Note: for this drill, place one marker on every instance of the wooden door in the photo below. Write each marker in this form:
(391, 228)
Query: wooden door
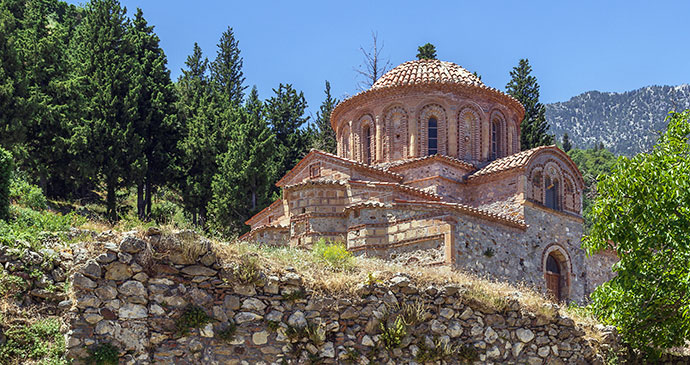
(553, 285)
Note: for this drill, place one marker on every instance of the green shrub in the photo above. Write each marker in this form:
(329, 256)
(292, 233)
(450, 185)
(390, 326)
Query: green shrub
(27, 195)
(334, 254)
(41, 340)
(12, 284)
(164, 212)
(392, 336)
(192, 317)
(28, 228)
(103, 354)
(6, 167)
(228, 333)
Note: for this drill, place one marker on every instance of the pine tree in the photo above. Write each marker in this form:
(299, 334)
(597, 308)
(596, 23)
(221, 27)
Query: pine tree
(285, 113)
(12, 83)
(323, 135)
(106, 138)
(226, 71)
(242, 184)
(6, 168)
(426, 52)
(524, 88)
(567, 145)
(156, 121)
(199, 145)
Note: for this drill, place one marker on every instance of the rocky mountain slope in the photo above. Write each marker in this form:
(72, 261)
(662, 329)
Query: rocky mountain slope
(627, 123)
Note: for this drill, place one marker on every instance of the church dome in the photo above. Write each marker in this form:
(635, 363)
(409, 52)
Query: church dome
(419, 72)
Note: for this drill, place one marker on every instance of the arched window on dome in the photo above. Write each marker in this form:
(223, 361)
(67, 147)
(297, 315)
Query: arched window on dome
(495, 139)
(432, 134)
(366, 135)
(551, 197)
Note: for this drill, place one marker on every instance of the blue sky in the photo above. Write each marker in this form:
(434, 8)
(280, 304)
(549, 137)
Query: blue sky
(573, 46)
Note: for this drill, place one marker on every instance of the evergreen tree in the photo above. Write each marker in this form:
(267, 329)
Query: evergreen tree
(426, 52)
(156, 121)
(6, 167)
(226, 72)
(524, 88)
(242, 184)
(106, 138)
(198, 151)
(323, 135)
(567, 145)
(285, 113)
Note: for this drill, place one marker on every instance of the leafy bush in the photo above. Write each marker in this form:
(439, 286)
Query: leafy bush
(41, 340)
(334, 254)
(228, 333)
(12, 284)
(103, 354)
(6, 167)
(27, 195)
(192, 317)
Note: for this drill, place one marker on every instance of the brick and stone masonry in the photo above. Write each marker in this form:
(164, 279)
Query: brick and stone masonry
(429, 171)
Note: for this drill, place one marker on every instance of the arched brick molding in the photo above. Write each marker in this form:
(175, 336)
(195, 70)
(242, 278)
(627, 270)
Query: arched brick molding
(469, 121)
(437, 112)
(395, 146)
(498, 128)
(367, 139)
(345, 144)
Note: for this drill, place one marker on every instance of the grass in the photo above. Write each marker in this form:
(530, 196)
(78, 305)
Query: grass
(30, 336)
(393, 334)
(103, 354)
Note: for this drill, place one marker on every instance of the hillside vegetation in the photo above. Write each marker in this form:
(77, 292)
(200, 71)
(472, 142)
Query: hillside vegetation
(626, 123)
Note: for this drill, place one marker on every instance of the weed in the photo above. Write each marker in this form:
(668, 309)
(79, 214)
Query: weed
(41, 340)
(352, 355)
(413, 313)
(103, 354)
(442, 351)
(228, 333)
(272, 325)
(334, 254)
(294, 295)
(12, 284)
(489, 252)
(372, 280)
(192, 317)
(247, 270)
(316, 333)
(392, 336)
(467, 352)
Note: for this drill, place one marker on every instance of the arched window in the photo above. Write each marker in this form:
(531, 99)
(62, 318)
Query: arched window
(432, 130)
(551, 193)
(346, 144)
(495, 138)
(367, 145)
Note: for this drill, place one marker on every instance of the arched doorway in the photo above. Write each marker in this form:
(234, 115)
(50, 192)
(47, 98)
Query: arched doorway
(553, 278)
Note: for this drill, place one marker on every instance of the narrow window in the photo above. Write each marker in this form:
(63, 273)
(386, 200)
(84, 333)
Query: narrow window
(494, 140)
(551, 193)
(315, 170)
(432, 130)
(367, 145)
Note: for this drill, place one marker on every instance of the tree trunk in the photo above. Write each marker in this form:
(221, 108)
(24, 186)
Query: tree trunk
(140, 200)
(147, 199)
(111, 200)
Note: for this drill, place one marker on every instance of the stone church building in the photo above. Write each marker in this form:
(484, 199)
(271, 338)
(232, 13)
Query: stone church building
(429, 171)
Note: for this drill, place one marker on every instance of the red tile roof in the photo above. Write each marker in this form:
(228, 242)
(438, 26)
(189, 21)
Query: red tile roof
(425, 72)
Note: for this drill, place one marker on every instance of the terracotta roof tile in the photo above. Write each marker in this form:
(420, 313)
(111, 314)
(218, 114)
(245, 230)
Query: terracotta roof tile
(517, 160)
(426, 71)
(399, 163)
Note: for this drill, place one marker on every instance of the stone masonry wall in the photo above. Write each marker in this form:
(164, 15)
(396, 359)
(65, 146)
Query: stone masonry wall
(133, 294)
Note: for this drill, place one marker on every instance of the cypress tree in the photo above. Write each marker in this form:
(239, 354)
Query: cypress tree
(106, 137)
(226, 72)
(426, 52)
(199, 144)
(285, 113)
(567, 145)
(156, 121)
(323, 135)
(242, 184)
(524, 88)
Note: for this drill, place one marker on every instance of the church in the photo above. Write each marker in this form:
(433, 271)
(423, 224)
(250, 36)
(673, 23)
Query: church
(429, 171)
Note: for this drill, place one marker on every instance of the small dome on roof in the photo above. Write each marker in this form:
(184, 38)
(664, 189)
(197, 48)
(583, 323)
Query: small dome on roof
(426, 72)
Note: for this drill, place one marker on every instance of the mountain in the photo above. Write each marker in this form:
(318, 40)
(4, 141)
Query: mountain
(627, 123)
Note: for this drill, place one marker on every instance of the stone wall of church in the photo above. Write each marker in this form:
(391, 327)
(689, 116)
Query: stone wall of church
(599, 268)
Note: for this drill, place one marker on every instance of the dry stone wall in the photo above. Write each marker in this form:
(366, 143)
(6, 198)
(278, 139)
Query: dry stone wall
(186, 307)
